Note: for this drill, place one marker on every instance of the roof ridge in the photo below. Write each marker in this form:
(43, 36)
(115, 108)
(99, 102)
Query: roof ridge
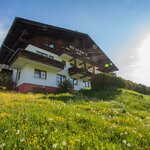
(48, 25)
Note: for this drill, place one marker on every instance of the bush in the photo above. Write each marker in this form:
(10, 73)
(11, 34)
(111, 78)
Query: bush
(65, 86)
(6, 81)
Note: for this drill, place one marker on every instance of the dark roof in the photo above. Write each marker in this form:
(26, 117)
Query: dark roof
(27, 28)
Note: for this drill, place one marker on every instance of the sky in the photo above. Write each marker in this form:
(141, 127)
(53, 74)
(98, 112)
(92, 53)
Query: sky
(121, 28)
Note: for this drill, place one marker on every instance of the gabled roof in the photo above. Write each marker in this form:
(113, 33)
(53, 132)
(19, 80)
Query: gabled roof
(26, 29)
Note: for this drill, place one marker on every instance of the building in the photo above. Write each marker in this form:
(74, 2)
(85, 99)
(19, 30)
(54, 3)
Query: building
(44, 55)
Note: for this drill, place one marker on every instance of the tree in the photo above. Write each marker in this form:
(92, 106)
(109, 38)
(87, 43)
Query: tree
(65, 86)
(6, 80)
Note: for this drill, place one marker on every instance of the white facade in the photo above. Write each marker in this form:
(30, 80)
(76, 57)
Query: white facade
(27, 70)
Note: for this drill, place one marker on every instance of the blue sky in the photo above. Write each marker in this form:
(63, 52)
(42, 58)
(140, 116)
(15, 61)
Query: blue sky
(119, 27)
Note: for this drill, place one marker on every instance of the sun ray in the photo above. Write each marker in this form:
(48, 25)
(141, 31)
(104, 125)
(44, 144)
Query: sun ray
(142, 72)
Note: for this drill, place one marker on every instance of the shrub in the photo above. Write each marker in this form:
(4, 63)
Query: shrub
(65, 86)
(6, 81)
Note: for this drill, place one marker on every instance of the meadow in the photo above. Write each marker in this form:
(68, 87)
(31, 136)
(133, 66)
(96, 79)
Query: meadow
(120, 121)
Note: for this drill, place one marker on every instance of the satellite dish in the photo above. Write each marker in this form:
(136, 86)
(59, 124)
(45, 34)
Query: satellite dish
(94, 46)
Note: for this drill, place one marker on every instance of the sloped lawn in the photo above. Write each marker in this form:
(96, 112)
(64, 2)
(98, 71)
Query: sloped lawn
(66, 121)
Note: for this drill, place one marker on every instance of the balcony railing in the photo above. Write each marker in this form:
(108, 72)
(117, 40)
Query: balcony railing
(74, 54)
(79, 72)
(35, 57)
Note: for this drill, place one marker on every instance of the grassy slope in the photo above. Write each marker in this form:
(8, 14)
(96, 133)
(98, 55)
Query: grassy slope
(30, 121)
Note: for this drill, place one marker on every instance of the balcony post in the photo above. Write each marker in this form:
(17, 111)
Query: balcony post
(93, 69)
(75, 62)
(85, 65)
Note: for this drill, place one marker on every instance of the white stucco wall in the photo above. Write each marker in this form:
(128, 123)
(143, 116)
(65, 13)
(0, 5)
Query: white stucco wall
(27, 76)
(27, 71)
(14, 74)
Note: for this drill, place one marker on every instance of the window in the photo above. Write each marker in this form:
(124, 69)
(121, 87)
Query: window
(40, 74)
(86, 83)
(60, 78)
(74, 81)
(49, 44)
(19, 73)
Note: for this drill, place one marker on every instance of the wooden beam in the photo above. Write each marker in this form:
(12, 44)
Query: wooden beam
(18, 39)
(90, 67)
(24, 41)
(85, 65)
(83, 76)
(93, 69)
(75, 62)
(81, 64)
(71, 59)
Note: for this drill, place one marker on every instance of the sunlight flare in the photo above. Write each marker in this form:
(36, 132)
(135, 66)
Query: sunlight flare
(142, 73)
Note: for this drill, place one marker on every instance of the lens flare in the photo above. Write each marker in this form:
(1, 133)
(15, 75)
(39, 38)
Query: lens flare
(106, 65)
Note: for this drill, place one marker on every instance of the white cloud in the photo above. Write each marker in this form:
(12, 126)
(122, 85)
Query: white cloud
(131, 57)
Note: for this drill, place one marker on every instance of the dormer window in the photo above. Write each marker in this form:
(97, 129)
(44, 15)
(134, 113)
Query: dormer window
(49, 44)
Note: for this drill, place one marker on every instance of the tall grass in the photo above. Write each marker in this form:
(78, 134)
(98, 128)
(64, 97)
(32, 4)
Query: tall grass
(67, 121)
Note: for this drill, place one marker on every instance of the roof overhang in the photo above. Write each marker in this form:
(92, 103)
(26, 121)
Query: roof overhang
(22, 30)
(23, 57)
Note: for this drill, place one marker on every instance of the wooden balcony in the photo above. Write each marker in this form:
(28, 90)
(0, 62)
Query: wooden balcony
(80, 73)
(22, 57)
(70, 54)
(66, 53)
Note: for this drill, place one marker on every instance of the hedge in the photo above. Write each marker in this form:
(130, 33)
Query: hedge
(104, 80)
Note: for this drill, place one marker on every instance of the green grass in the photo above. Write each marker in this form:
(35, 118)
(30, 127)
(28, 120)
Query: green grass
(107, 119)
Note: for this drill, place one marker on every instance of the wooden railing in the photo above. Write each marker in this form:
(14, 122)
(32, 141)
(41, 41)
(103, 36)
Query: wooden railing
(36, 57)
(74, 70)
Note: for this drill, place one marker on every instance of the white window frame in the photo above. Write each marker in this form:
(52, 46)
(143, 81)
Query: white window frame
(40, 74)
(86, 84)
(60, 78)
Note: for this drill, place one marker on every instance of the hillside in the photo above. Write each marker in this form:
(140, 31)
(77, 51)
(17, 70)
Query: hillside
(118, 121)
